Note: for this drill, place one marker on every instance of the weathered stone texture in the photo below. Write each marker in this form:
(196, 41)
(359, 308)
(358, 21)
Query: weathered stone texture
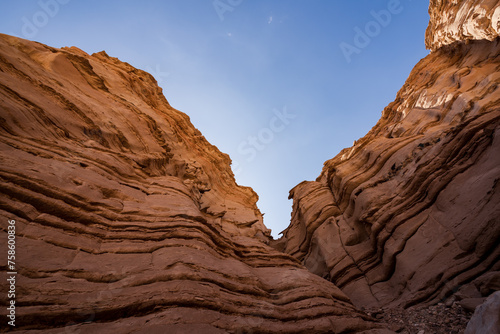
(128, 220)
(411, 212)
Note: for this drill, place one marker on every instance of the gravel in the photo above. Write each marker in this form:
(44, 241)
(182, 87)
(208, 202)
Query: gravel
(436, 319)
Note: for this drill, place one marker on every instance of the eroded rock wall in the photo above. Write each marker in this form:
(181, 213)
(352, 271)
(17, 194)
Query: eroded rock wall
(127, 219)
(462, 21)
(411, 213)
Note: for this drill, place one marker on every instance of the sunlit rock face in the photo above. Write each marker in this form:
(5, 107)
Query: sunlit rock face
(411, 213)
(460, 20)
(128, 220)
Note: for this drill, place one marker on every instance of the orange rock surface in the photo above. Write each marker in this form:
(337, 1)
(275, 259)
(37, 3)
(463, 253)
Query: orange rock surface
(462, 21)
(128, 220)
(410, 214)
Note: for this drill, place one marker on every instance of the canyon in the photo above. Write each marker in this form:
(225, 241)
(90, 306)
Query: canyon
(127, 220)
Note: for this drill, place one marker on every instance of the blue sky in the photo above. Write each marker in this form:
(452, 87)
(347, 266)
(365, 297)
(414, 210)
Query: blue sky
(281, 86)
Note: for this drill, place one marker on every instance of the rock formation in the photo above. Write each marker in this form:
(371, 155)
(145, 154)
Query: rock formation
(486, 319)
(461, 21)
(128, 220)
(411, 213)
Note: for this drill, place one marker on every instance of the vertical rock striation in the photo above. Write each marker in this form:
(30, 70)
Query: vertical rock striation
(128, 220)
(411, 213)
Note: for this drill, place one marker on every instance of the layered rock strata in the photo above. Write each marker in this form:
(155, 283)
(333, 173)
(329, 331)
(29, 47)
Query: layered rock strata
(410, 214)
(128, 220)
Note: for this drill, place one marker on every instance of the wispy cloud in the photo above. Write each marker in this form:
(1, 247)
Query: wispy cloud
(270, 20)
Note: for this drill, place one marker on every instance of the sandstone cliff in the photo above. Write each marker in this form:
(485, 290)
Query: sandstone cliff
(127, 219)
(411, 213)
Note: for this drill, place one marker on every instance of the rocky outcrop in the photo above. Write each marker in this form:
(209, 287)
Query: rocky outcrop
(458, 21)
(128, 220)
(486, 319)
(410, 214)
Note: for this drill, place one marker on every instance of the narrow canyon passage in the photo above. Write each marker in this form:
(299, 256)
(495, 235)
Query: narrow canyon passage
(121, 217)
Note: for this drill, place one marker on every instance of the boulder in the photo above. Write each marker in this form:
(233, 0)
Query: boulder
(486, 318)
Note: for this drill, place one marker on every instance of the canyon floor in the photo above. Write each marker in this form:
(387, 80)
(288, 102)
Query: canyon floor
(436, 319)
